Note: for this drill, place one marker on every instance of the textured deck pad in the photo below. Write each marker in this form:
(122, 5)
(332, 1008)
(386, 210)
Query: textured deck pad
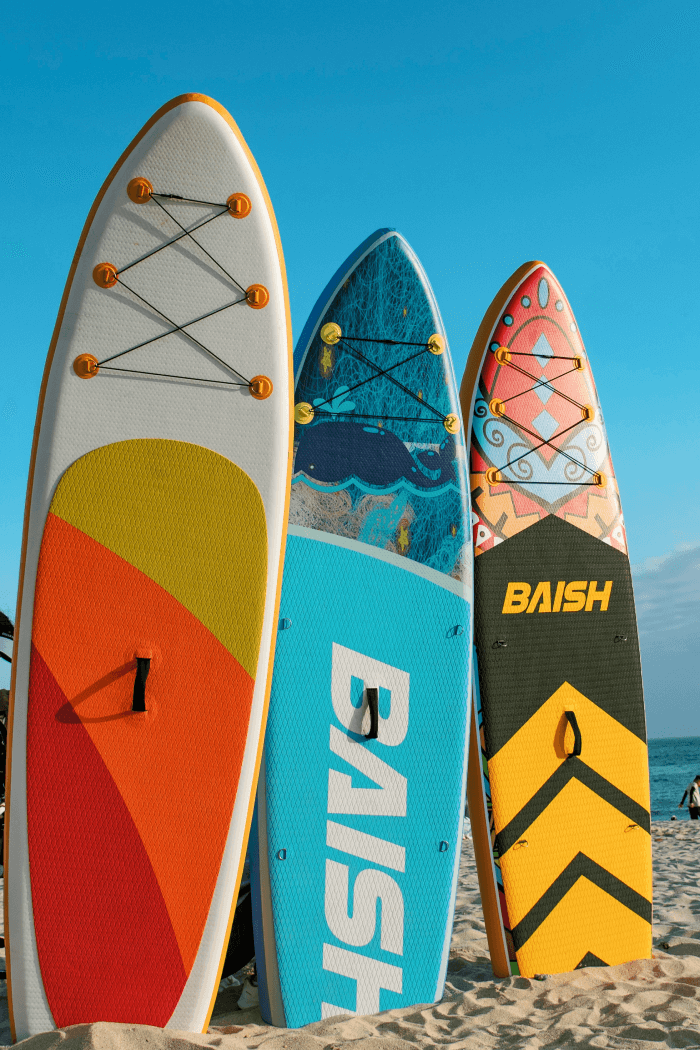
(566, 857)
(363, 821)
(131, 563)
(360, 838)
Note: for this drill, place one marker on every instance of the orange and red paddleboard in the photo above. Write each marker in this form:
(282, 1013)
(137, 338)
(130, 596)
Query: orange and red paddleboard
(155, 524)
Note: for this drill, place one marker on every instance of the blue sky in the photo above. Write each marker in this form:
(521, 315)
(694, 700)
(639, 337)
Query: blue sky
(487, 133)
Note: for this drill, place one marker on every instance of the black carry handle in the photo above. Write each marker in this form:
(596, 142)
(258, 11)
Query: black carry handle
(373, 705)
(143, 666)
(577, 734)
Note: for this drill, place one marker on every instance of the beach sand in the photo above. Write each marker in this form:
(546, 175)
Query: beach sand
(653, 1002)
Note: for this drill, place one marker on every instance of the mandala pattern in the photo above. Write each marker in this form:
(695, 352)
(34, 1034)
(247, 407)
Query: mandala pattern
(538, 424)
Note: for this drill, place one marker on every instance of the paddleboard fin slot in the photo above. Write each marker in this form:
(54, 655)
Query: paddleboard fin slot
(143, 666)
(373, 705)
(571, 718)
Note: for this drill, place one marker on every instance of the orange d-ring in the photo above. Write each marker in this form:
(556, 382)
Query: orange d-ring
(105, 275)
(260, 387)
(257, 296)
(139, 190)
(86, 366)
(239, 205)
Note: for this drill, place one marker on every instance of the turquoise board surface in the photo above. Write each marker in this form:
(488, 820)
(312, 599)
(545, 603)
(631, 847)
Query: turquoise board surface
(359, 839)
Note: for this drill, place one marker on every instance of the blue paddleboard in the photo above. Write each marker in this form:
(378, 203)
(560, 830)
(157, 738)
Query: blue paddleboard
(360, 799)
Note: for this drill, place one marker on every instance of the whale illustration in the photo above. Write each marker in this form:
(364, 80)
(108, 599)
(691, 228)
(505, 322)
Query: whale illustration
(334, 452)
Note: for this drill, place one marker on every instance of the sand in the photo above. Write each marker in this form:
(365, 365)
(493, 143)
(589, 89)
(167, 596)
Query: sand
(654, 1002)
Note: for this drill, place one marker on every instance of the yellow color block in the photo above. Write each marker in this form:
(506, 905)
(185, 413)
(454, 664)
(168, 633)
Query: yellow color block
(587, 920)
(577, 820)
(174, 510)
(520, 768)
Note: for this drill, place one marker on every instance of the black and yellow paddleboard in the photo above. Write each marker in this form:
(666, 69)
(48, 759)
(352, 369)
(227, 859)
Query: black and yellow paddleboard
(558, 781)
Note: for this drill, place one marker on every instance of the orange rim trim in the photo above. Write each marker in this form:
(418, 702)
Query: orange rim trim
(173, 104)
(480, 833)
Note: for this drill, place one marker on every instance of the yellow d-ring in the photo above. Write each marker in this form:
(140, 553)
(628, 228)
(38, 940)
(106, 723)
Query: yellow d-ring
(331, 333)
(303, 413)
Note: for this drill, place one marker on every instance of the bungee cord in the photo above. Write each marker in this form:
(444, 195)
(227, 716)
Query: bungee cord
(545, 383)
(180, 328)
(201, 246)
(173, 240)
(331, 335)
(392, 379)
(496, 406)
(140, 191)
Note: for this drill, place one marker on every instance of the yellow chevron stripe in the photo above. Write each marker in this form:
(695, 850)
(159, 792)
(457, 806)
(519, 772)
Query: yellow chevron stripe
(533, 754)
(586, 920)
(577, 820)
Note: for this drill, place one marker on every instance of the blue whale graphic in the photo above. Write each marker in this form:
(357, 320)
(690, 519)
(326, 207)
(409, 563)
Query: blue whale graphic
(334, 452)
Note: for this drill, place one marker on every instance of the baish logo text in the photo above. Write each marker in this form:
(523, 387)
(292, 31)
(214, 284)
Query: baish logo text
(351, 912)
(558, 596)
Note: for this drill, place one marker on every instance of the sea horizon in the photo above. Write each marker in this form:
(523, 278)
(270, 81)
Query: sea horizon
(673, 762)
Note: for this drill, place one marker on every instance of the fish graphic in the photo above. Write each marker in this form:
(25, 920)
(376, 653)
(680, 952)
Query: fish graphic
(335, 452)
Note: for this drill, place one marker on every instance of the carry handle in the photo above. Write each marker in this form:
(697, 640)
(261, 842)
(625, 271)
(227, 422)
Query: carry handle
(577, 734)
(373, 705)
(143, 666)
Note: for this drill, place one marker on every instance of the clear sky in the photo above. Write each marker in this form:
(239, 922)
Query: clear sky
(487, 133)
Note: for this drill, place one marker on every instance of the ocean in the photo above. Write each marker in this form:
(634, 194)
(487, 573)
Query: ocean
(673, 762)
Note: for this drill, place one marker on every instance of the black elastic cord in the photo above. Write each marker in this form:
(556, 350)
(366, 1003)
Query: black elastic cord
(170, 375)
(187, 233)
(379, 415)
(571, 717)
(392, 379)
(143, 666)
(201, 246)
(177, 328)
(390, 342)
(548, 357)
(561, 452)
(543, 382)
(385, 372)
(189, 200)
(529, 375)
(373, 706)
(181, 328)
